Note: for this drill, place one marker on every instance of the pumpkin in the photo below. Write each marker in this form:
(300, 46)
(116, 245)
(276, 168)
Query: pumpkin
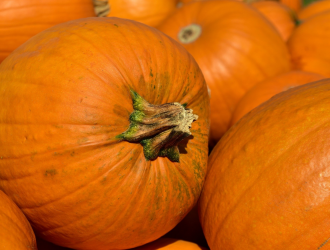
(148, 12)
(295, 5)
(20, 20)
(234, 46)
(104, 144)
(267, 186)
(270, 87)
(309, 45)
(170, 244)
(15, 230)
(313, 9)
(281, 16)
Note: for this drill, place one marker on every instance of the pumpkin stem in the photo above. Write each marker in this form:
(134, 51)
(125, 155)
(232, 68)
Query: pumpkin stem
(158, 128)
(190, 33)
(101, 7)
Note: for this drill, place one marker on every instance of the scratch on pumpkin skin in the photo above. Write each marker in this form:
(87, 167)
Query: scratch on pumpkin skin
(322, 245)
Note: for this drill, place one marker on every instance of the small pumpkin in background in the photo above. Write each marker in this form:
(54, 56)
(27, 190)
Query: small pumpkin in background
(313, 9)
(234, 45)
(268, 177)
(280, 15)
(149, 12)
(15, 230)
(170, 244)
(78, 154)
(270, 87)
(309, 45)
(20, 20)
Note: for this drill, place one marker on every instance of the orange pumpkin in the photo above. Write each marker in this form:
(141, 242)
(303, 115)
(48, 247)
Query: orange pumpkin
(295, 5)
(15, 230)
(313, 9)
(281, 16)
(170, 244)
(270, 87)
(268, 181)
(20, 20)
(149, 12)
(66, 160)
(235, 48)
(309, 45)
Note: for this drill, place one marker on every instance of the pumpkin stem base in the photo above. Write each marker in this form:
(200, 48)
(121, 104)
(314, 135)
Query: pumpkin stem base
(158, 128)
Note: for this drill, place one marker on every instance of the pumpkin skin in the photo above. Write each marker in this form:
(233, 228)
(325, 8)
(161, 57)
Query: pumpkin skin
(236, 49)
(62, 108)
(148, 12)
(295, 5)
(270, 87)
(20, 20)
(313, 9)
(268, 177)
(281, 16)
(15, 231)
(309, 45)
(170, 244)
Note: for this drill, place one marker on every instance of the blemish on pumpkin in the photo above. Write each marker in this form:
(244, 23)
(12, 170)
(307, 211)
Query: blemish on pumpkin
(50, 172)
(151, 72)
(116, 25)
(103, 181)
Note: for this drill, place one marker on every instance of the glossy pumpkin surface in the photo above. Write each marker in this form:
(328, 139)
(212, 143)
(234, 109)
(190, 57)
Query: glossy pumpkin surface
(234, 46)
(268, 182)
(65, 98)
(148, 12)
(281, 16)
(170, 244)
(15, 230)
(309, 45)
(22, 19)
(270, 87)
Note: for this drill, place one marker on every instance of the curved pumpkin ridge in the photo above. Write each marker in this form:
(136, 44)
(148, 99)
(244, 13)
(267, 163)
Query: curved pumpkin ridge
(248, 191)
(252, 182)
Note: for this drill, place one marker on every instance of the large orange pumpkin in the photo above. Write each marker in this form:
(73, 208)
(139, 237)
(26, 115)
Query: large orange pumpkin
(263, 91)
(268, 181)
(65, 103)
(20, 20)
(15, 230)
(149, 12)
(309, 45)
(170, 244)
(280, 15)
(234, 46)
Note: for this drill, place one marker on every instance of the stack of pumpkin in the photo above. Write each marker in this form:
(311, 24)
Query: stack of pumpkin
(164, 124)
